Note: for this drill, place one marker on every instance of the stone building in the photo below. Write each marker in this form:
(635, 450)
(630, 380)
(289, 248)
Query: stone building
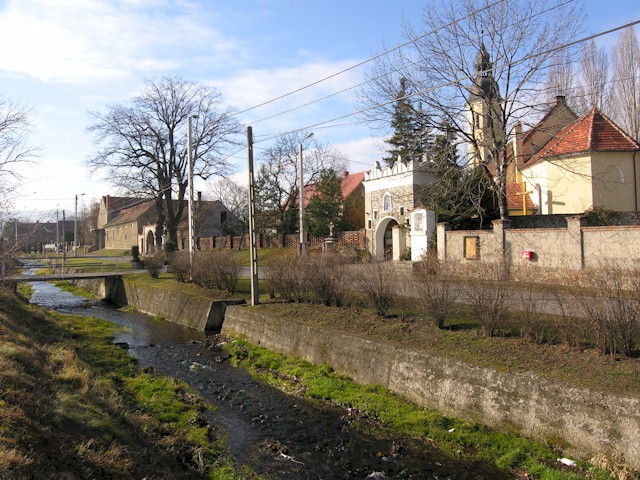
(393, 213)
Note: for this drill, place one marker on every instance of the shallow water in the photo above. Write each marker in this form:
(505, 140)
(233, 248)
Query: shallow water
(278, 435)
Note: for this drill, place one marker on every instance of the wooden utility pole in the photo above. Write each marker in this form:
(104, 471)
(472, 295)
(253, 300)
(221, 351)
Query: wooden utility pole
(253, 248)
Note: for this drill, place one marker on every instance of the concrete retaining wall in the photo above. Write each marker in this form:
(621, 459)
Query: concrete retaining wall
(178, 307)
(589, 422)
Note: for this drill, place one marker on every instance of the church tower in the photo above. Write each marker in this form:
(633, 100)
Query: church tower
(485, 111)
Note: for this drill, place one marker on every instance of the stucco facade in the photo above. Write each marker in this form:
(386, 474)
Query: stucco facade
(575, 183)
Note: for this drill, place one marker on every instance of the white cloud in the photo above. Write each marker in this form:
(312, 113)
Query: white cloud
(84, 41)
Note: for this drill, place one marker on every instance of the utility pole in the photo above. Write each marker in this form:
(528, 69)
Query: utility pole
(303, 242)
(75, 229)
(64, 246)
(57, 231)
(191, 218)
(253, 248)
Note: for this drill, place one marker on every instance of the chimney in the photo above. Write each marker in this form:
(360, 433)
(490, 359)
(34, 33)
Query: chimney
(346, 174)
(199, 198)
(560, 99)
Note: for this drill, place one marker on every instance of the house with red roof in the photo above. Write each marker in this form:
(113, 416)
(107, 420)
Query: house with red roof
(566, 164)
(352, 199)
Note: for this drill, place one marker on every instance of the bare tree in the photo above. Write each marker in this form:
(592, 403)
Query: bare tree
(593, 89)
(235, 197)
(277, 178)
(626, 81)
(495, 52)
(560, 76)
(143, 144)
(15, 127)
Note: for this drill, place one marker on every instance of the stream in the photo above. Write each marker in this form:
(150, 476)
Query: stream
(276, 435)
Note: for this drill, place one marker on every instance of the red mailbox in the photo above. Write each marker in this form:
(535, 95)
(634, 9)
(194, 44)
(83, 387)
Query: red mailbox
(528, 255)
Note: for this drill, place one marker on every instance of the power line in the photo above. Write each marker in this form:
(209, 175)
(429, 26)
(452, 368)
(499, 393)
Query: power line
(370, 59)
(455, 81)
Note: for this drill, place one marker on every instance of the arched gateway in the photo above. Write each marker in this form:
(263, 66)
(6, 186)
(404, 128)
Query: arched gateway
(391, 195)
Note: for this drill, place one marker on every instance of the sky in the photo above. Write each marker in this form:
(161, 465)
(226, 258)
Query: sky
(64, 58)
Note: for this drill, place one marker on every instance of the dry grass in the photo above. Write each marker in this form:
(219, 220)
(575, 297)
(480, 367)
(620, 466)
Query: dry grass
(65, 411)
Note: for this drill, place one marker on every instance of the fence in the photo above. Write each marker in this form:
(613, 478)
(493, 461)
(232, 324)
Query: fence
(355, 239)
(575, 247)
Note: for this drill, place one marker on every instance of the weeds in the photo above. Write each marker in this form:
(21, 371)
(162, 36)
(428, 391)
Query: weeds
(377, 283)
(435, 289)
(488, 296)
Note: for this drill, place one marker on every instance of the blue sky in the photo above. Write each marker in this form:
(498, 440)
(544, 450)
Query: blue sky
(63, 58)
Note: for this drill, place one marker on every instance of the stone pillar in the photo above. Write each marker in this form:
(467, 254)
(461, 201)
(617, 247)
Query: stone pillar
(399, 238)
(575, 242)
(441, 239)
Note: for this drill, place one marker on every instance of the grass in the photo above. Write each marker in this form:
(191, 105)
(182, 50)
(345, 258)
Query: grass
(73, 405)
(382, 412)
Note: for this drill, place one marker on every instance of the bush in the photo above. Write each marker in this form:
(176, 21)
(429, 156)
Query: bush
(218, 269)
(170, 246)
(377, 283)
(180, 265)
(608, 307)
(324, 274)
(135, 253)
(436, 290)
(154, 265)
(285, 277)
(488, 291)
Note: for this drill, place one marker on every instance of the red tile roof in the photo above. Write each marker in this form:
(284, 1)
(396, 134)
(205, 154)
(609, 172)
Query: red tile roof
(348, 183)
(514, 198)
(593, 132)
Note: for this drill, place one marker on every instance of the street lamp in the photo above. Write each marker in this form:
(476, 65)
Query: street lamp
(191, 217)
(75, 228)
(301, 252)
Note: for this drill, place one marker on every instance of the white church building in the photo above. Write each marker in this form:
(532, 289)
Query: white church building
(395, 222)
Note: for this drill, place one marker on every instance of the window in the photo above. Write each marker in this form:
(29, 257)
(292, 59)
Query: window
(223, 217)
(369, 224)
(477, 119)
(401, 211)
(375, 214)
(386, 203)
(417, 222)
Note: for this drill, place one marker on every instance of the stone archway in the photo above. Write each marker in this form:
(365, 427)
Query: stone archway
(383, 239)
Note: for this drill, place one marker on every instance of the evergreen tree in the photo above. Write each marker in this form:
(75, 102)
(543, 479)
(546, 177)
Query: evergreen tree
(325, 205)
(412, 136)
(460, 196)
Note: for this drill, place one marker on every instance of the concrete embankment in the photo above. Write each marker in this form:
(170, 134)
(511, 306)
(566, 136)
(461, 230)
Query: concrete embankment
(186, 309)
(588, 422)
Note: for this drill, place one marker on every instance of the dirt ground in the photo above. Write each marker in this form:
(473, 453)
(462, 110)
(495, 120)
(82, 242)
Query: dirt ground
(578, 367)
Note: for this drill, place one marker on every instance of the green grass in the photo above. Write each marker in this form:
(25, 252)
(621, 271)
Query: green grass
(466, 439)
(73, 402)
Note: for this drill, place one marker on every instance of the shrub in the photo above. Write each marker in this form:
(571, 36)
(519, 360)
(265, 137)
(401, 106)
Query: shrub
(436, 290)
(285, 277)
(377, 283)
(217, 269)
(325, 277)
(488, 291)
(180, 265)
(530, 303)
(608, 307)
(135, 253)
(154, 265)
(170, 246)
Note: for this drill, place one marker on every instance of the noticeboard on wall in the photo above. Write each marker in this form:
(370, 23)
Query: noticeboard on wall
(472, 247)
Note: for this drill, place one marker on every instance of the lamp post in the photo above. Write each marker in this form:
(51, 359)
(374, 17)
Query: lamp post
(75, 228)
(191, 216)
(302, 249)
